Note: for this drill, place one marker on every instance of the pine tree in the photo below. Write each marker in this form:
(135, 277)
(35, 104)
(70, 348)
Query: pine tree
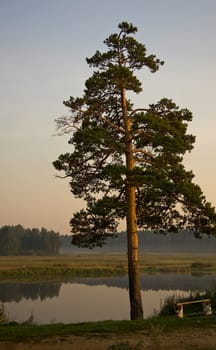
(126, 162)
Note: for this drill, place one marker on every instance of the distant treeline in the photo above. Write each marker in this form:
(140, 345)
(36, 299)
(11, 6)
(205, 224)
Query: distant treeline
(16, 240)
(149, 241)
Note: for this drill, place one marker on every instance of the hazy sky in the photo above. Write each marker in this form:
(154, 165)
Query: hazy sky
(43, 45)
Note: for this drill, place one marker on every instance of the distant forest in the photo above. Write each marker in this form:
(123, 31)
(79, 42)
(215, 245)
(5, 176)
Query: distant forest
(16, 240)
(149, 242)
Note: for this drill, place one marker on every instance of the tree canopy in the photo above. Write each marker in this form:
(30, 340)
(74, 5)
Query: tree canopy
(166, 197)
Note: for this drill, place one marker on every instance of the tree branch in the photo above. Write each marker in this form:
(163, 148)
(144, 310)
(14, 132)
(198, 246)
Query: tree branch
(142, 160)
(62, 177)
(104, 119)
(65, 125)
(138, 110)
(140, 150)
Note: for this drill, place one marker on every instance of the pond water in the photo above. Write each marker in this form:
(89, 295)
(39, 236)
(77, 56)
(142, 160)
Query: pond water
(94, 299)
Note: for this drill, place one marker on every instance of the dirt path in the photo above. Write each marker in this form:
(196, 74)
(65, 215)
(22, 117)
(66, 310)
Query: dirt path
(158, 340)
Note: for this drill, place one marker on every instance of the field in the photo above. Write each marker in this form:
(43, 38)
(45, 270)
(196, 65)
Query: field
(37, 267)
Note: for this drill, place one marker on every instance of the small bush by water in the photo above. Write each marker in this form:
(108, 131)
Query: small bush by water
(3, 314)
(200, 266)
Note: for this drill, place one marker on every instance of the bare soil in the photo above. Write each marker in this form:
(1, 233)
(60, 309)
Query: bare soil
(158, 340)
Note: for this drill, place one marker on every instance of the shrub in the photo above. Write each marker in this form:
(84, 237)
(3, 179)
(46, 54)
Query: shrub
(168, 307)
(199, 266)
(3, 314)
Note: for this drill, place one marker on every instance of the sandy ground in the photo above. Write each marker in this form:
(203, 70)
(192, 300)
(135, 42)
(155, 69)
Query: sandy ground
(158, 340)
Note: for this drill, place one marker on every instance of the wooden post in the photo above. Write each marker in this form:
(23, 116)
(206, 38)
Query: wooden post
(179, 310)
(207, 310)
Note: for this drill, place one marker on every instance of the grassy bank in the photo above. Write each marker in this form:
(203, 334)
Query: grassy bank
(39, 267)
(22, 332)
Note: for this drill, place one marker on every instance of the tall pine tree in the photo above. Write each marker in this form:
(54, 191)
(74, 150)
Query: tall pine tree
(126, 162)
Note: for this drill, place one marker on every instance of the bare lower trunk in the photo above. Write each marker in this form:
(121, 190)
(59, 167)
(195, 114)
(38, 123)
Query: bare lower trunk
(136, 309)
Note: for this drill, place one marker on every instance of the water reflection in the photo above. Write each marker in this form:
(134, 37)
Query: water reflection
(91, 299)
(183, 282)
(17, 291)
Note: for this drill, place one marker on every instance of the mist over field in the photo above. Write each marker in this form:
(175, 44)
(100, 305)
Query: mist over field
(149, 242)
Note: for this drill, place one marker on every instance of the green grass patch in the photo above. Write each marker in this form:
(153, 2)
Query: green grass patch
(126, 346)
(38, 273)
(21, 332)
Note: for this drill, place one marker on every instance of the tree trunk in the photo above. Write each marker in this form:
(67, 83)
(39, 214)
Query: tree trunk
(136, 309)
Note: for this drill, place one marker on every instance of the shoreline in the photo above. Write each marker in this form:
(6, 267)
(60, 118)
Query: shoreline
(33, 268)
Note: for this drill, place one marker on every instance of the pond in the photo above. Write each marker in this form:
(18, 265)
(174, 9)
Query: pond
(94, 299)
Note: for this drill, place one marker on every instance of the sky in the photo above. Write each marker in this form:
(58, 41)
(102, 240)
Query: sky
(43, 46)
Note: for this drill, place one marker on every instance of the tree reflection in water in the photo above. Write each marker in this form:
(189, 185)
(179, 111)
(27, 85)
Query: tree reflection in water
(17, 291)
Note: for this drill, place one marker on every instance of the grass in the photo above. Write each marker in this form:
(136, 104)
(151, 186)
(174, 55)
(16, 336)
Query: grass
(126, 346)
(178, 263)
(22, 332)
(37, 267)
(42, 267)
